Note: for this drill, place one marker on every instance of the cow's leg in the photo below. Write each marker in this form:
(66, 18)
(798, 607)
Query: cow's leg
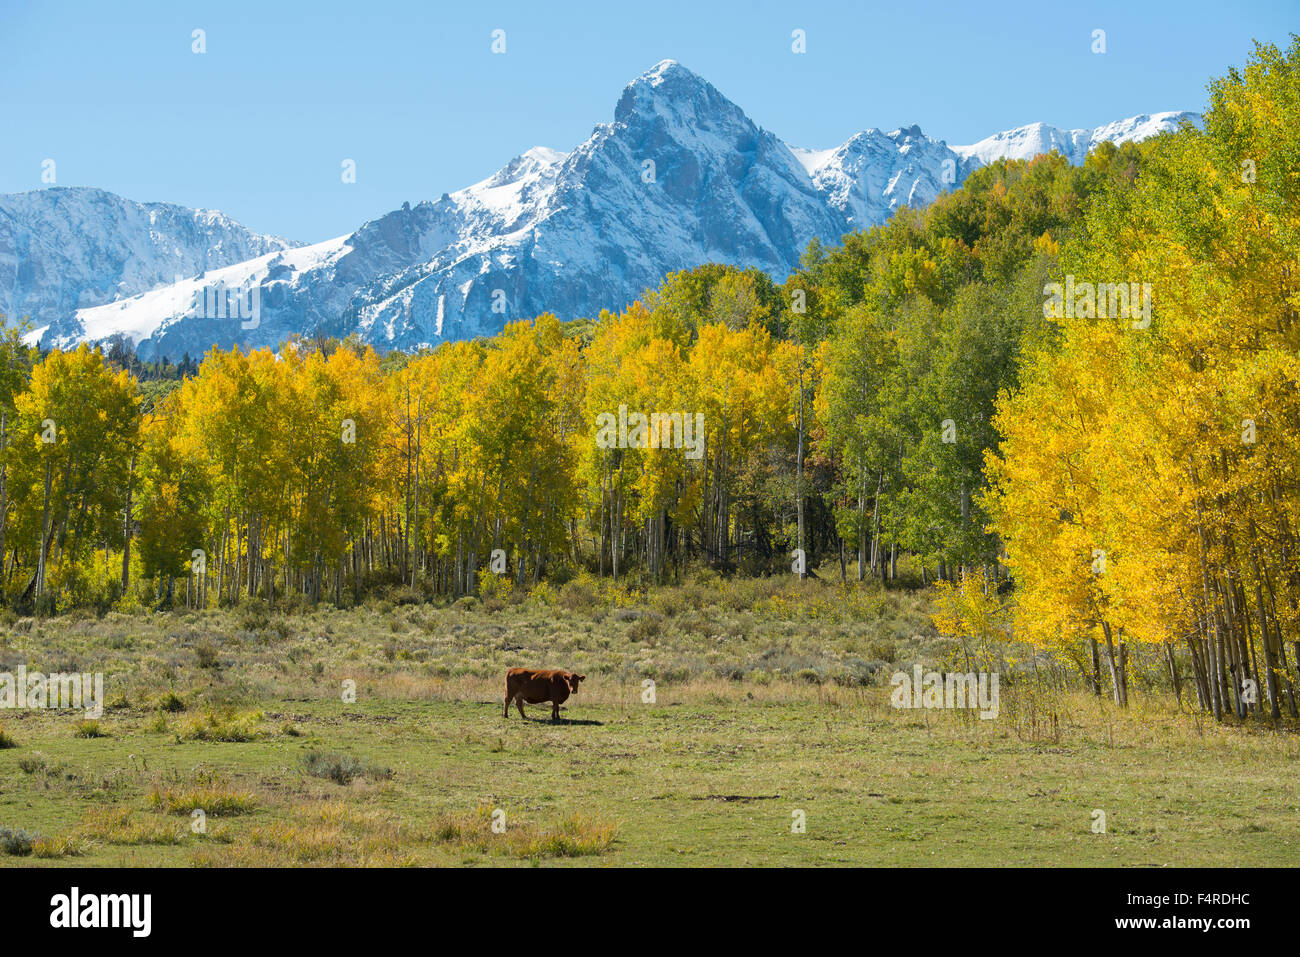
(555, 711)
(506, 713)
(519, 703)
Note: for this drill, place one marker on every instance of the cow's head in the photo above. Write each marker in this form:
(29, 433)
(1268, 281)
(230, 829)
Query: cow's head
(574, 680)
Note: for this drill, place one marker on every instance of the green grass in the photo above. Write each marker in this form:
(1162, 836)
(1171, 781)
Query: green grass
(768, 702)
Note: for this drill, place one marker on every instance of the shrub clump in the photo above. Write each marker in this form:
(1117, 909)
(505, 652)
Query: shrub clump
(171, 703)
(216, 801)
(16, 842)
(342, 768)
(577, 835)
(643, 631)
(120, 826)
(87, 728)
(206, 653)
(578, 596)
(228, 726)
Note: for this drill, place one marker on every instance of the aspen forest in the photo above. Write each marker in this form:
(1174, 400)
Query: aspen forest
(1113, 489)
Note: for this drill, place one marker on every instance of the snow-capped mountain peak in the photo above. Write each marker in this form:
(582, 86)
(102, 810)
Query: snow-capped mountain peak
(673, 93)
(680, 177)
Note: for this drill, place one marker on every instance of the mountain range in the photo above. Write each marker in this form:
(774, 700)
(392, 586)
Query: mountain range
(680, 177)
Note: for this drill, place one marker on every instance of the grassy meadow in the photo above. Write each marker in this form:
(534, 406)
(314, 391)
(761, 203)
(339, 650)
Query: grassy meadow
(771, 697)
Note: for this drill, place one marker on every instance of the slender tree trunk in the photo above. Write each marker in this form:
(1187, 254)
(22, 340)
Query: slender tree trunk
(1096, 667)
(46, 532)
(1116, 681)
(126, 527)
(798, 491)
(4, 493)
(1173, 674)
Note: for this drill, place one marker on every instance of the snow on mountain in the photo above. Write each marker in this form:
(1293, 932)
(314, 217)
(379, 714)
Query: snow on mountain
(160, 316)
(63, 248)
(1026, 142)
(874, 173)
(680, 177)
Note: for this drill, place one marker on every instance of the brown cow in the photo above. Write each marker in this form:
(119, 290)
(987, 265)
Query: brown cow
(534, 687)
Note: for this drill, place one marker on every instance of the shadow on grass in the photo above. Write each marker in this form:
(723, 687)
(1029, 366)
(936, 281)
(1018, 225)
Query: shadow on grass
(570, 721)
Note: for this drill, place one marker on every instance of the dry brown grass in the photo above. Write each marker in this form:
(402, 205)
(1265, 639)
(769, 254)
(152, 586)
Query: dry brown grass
(214, 801)
(126, 826)
(576, 835)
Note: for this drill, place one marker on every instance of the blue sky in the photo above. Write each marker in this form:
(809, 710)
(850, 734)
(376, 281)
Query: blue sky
(259, 124)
